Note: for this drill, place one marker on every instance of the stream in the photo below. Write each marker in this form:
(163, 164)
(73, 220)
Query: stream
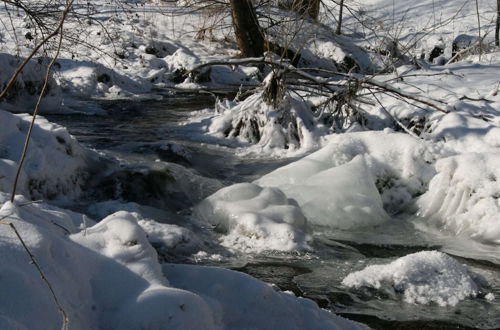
(149, 147)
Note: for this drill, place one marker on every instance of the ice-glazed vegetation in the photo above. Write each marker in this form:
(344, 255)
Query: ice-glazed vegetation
(244, 164)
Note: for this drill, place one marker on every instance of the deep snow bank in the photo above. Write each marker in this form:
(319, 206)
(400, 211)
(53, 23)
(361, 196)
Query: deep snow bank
(421, 278)
(108, 276)
(253, 219)
(56, 164)
(242, 302)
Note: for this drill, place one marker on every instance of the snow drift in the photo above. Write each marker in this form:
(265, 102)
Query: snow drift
(108, 276)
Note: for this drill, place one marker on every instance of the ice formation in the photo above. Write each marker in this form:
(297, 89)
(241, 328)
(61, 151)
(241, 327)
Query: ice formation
(421, 278)
(254, 219)
(350, 181)
(290, 125)
(463, 198)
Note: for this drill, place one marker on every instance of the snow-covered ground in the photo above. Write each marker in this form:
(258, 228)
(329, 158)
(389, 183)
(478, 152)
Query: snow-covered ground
(398, 160)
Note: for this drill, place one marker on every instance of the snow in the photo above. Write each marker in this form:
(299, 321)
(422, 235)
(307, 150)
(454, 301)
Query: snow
(56, 164)
(254, 219)
(290, 125)
(245, 303)
(420, 278)
(463, 197)
(108, 276)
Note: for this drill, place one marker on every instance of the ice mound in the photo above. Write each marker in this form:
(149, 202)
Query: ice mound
(421, 278)
(56, 164)
(349, 182)
(343, 197)
(463, 198)
(254, 219)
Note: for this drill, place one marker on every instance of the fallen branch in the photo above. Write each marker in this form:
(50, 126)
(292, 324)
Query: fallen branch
(336, 87)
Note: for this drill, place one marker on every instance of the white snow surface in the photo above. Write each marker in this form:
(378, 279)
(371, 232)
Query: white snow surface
(108, 276)
(56, 165)
(421, 278)
(255, 219)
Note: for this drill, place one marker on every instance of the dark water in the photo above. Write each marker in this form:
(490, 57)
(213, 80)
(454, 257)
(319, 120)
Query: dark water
(157, 161)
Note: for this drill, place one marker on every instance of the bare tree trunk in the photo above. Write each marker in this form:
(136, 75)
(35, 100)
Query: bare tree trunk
(497, 27)
(247, 30)
(479, 30)
(341, 12)
(307, 7)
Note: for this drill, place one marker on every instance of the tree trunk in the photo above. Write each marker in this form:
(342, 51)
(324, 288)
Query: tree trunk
(339, 23)
(497, 27)
(247, 30)
(309, 7)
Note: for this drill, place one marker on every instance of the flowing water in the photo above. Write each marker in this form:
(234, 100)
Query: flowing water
(148, 149)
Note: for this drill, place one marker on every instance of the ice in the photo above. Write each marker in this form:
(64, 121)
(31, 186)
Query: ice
(463, 196)
(254, 219)
(340, 184)
(420, 278)
(343, 197)
(290, 125)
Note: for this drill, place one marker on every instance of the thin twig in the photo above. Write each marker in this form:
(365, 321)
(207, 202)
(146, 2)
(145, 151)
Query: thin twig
(42, 93)
(39, 269)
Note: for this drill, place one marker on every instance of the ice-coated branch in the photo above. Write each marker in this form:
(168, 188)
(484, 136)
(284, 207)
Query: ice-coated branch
(334, 87)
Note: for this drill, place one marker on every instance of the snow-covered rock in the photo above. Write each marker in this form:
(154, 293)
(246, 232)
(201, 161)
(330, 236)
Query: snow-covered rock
(56, 164)
(253, 219)
(421, 278)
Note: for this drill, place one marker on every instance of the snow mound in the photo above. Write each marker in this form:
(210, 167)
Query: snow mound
(422, 278)
(463, 198)
(108, 276)
(290, 125)
(29, 83)
(255, 219)
(56, 164)
(243, 302)
(349, 182)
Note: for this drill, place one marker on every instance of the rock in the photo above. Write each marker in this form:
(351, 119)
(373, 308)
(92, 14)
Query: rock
(463, 42)
(436, 52)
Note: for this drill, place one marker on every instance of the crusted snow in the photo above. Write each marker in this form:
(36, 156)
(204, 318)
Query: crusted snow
(421, 278)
